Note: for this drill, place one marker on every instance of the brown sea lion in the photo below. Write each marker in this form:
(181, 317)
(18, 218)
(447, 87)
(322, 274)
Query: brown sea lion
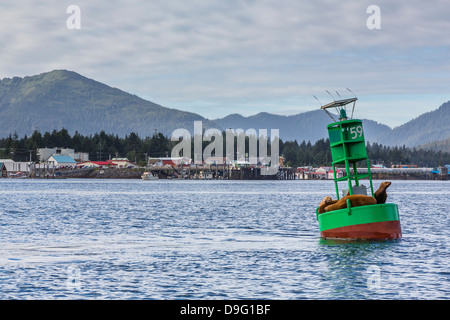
(328, 204)
(356, 200)
(381, 194)
(324, 203)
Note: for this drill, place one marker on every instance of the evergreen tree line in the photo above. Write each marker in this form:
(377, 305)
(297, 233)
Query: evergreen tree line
(319, 154)
(102, 146)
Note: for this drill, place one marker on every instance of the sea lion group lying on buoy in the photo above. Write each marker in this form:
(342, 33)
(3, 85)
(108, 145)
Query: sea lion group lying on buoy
(327, 204)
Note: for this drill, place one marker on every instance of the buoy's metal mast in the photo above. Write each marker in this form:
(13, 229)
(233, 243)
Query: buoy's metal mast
(347, 145)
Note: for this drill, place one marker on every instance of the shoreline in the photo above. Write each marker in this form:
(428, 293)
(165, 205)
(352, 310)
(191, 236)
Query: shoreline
(208, 174)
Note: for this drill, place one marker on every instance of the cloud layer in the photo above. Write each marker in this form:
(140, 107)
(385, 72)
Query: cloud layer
(222, 57)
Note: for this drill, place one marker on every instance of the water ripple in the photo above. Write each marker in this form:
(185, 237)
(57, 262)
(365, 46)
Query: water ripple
(115, 239)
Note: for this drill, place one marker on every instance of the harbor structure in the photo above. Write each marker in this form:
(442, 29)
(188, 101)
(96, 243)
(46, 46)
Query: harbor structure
(13, 169)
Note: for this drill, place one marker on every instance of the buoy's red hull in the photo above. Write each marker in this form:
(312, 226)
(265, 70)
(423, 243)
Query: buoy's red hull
(375, 230)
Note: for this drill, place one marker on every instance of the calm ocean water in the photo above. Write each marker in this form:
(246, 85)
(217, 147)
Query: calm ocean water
(133, 239)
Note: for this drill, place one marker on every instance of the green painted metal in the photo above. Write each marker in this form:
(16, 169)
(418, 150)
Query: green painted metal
(358, 215)
(348, 147)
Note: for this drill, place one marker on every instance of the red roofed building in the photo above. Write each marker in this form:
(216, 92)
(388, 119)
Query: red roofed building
(339, 174)
(327, 173)
(322, 172)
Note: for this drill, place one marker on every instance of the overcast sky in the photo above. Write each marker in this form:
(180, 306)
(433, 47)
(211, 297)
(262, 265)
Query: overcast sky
(216, 57)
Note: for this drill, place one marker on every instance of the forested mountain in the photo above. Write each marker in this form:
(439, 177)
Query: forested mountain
(308, 126)
(441, 145)
(64, 99)
(427, 128)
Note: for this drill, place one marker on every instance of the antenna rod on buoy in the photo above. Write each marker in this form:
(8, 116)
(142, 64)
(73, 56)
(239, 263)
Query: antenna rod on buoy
(330, 94)
(318, 100)
(354, 102)
(345, 107)
(337, 110)
(324, 109)
(351, 92)
(340, 106)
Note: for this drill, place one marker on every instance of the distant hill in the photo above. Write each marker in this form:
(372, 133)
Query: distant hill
(66, 99)
(62, 98)
(308, 126)
(427, 128)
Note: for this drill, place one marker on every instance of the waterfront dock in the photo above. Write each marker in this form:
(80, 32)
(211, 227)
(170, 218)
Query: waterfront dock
(209, 172)
(199, 172)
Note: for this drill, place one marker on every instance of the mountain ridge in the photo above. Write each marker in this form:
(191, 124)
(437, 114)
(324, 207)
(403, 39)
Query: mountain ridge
(309, 125)
(427, 128)
(62, 98)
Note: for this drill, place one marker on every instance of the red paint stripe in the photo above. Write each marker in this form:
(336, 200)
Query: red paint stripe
(375, 230)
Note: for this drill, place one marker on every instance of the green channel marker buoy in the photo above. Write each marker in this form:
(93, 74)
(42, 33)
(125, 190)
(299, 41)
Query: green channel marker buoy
(348, 148)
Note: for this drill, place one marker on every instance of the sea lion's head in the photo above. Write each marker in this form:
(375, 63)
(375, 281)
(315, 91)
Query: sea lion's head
(384, 185)
(325, 200)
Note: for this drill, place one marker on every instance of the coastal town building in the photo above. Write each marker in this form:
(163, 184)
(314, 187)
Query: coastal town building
(10, 168)
(60, 161)
(339, 173)
(96, 164)
(322, 172)
(169, 161)
(325, 172)
(123, 163)
(45, 153)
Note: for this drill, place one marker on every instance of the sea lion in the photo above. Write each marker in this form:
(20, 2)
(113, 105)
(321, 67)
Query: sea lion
(381, 194)
(356, 200)
(324, 203)
(328, 204)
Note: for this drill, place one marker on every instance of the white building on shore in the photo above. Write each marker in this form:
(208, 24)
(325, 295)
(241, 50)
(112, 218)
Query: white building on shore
(10, 168)
(123, 163)
(45, 153)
